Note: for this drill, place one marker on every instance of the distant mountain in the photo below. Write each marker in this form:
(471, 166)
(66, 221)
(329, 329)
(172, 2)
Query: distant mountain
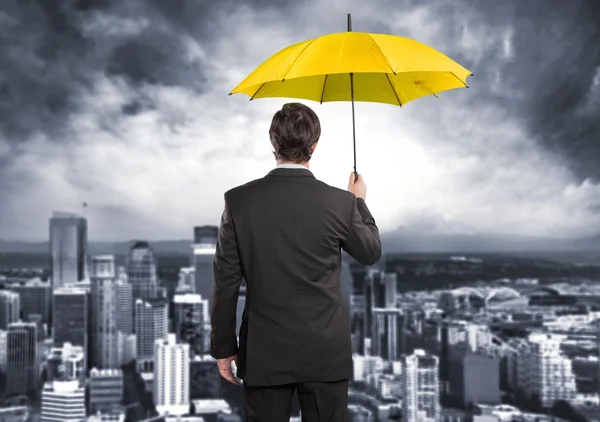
(96, 248)
(407, 240)
(401, 240)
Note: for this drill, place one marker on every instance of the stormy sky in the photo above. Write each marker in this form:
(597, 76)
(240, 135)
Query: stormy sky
(123, 105)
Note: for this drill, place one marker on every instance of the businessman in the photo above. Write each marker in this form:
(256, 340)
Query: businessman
(284, 234)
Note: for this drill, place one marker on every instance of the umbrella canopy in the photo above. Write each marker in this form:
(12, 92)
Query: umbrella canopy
(387, 69)
(355, 66)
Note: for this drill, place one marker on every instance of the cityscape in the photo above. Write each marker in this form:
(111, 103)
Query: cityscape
(107, 337)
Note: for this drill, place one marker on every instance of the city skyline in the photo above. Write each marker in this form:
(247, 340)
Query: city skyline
(132, 115)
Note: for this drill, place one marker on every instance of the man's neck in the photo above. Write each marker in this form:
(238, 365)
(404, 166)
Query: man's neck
(305, 164)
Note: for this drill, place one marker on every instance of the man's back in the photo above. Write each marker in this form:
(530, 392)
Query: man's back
(289, 229)
(283, 234)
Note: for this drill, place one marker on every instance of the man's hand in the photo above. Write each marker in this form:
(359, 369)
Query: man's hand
(226, 370)
(357, 187)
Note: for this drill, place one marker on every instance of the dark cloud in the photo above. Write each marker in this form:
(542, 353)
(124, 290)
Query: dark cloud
(556, 47)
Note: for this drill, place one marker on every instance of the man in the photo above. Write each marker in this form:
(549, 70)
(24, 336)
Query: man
(284, 234)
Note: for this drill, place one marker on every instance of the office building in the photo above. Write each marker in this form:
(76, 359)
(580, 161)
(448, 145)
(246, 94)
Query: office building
(205, 380)
(68, 248)
(105, 390)
(420, 388)
(185, 283)
(36, 298)
(65, 363)
(474, 378)
(389, 333)
(3, 344)
(22, 369)
(188, 308)
(70, 320)
(111, 308)
(141, 271)
(205, 235)
(544, 371)
(171, 388)
(63, 401)
(152, 323)
(10, 308)
(202, 257)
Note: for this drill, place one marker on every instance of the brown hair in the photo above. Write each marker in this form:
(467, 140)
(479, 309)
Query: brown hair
(294, 130)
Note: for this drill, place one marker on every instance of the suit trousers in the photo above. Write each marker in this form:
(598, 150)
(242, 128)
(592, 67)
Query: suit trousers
(319, 402)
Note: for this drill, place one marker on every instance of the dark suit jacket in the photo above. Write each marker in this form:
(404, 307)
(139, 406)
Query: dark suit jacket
(284, 234)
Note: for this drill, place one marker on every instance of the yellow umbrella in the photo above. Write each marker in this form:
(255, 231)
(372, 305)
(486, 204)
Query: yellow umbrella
(355, 66)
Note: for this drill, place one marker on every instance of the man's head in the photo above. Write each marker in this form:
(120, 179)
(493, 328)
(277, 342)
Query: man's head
(294, 133)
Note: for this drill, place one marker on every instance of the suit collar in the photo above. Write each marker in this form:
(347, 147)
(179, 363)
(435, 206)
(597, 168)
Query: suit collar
(290, 172)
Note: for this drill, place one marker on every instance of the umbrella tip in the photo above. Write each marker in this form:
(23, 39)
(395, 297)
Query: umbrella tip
(230, 94)
(472, 74)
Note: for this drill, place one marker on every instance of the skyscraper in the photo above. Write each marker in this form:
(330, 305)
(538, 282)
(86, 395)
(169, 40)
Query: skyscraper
(70, 320)
(106, 315)
(141, 271)
(36, 298)
(190, 315)
(171, 387)
(389, 335)
(152, 323)
(10, 308)
(203, 253)
(420, 388)
(21, 358)
(205, 234)
(68, 248)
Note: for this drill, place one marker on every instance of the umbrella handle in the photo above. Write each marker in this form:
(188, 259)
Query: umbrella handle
(355, 176)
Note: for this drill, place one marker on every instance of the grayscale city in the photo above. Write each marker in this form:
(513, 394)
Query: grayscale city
(118, 141)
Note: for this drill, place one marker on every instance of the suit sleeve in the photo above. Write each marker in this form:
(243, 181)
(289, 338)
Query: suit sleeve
(227, 278)
(363, 242)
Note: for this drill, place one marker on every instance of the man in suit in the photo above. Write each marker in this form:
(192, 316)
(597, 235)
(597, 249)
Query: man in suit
(284, 234)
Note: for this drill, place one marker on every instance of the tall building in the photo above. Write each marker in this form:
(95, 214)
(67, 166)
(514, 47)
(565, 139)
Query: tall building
(68, 248)
(105, 390)
(205, 235)
(186, 283)
(205, 382)
(474, 378)
(110, 311)
(70, 320)
(10, 308)
(36, 298)
(171, 388)
(544, 371)
(190, 315)
(63, 401)
(389, 333)
(141, 271)
(21, 358)
(203, 253)
(3, 343)
(420, 388)
(152, 323)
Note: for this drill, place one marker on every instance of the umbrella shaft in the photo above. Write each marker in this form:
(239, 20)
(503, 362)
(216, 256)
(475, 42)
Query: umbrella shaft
(353, 122)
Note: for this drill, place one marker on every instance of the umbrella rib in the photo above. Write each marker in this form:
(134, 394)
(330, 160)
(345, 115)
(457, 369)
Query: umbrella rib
(464, 83)
(384, 56)
(324, 85)
(393, 89)
(257, 91)
(296, 59)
